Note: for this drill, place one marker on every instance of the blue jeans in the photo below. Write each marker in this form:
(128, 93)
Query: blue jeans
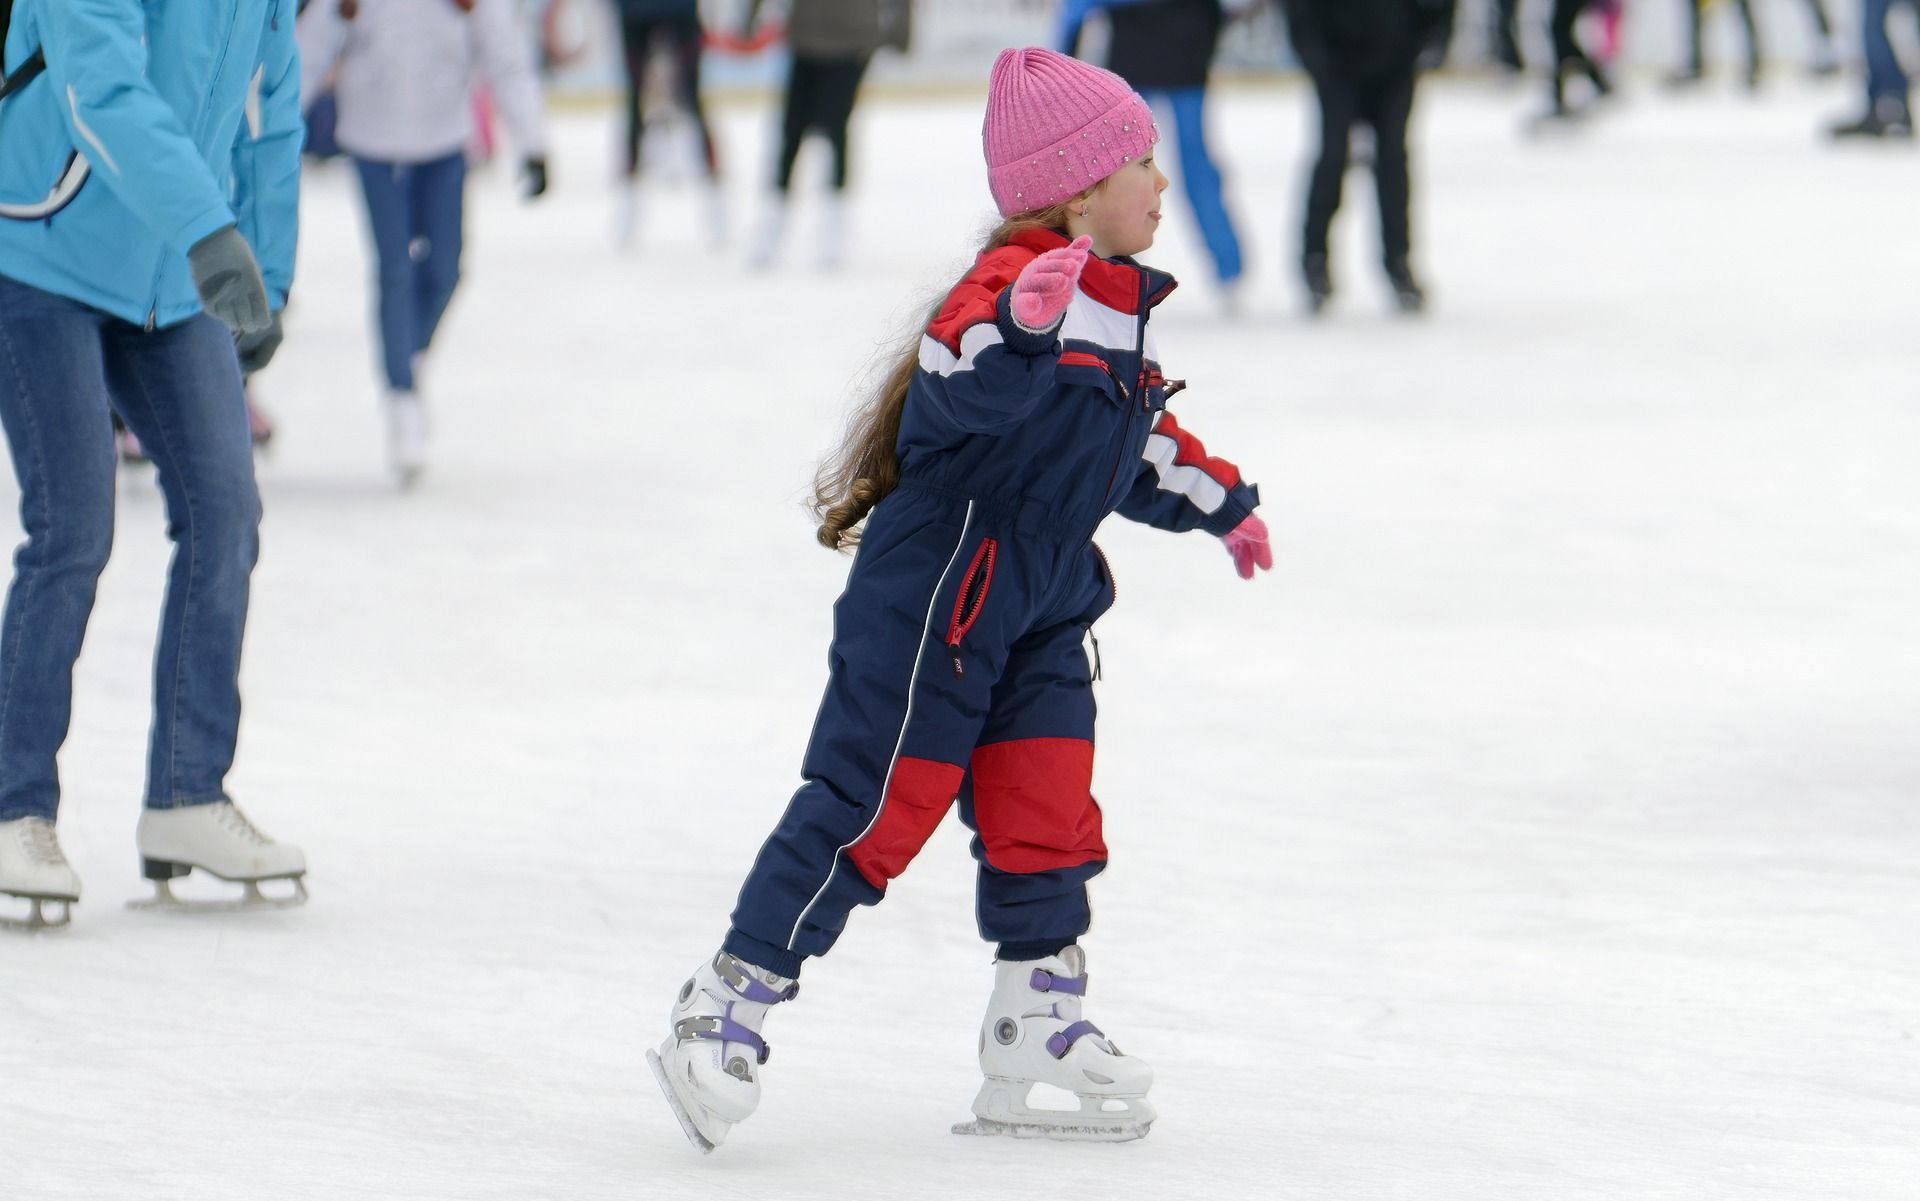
(64, 369)
(414, 210)
(1884, 76)
(1201, 179)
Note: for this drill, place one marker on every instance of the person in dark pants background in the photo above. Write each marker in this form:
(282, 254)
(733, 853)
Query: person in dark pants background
(1364, 57)
(1822, 62)
(673, 25)
(1569, 58)
(832, 41)
(1696, 68)
(1506, 36)
(1164, 50)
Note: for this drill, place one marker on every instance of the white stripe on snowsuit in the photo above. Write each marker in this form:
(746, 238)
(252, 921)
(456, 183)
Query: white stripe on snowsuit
(906, 719)
(1202, 490)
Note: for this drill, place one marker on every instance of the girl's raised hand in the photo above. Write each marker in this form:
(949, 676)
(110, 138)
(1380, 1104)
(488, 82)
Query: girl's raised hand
(1247, 543)
(1045, 286)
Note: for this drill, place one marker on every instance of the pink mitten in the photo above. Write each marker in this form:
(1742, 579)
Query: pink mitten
(1247, 543)
(1046, 284)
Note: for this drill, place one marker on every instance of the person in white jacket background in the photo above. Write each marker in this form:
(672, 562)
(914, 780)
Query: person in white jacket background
(404, 81)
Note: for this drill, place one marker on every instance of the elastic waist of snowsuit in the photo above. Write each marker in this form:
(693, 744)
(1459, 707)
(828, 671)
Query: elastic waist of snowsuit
(1020, 514)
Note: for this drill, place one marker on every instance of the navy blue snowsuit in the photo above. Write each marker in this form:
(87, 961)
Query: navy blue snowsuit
(958, 668)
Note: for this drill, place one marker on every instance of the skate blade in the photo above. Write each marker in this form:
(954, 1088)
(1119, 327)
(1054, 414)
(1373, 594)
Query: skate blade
(1067, 1131)
(674, 1103)
(36, 920)
(164, 901)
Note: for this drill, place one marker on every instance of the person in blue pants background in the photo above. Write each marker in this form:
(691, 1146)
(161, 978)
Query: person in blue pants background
(1887, 114)
(1164, 49)
(403, 80)
(148, 204)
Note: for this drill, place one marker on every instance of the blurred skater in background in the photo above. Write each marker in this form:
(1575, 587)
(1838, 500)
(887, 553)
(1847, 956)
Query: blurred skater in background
(1506, 36)
(668, 30)
(406, 115)
(1695, 69)
(1570, 59)
(833, 41)
(1165, 48)
(1887, 114)
(1365, 58)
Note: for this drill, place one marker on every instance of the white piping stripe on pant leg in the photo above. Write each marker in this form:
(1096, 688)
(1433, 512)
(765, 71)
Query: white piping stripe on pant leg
(925, 632)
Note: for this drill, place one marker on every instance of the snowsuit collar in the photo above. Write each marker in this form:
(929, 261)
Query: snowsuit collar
(1119, 283)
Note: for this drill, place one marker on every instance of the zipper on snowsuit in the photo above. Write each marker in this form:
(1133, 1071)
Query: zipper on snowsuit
(972, 599)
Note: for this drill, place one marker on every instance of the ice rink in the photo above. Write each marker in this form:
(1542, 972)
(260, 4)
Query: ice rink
(1543, 826)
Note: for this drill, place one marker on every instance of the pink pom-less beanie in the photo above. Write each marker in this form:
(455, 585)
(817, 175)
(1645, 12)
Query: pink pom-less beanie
(1056, 126)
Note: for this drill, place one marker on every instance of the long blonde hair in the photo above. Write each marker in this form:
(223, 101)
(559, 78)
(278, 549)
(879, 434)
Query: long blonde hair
(866, 465)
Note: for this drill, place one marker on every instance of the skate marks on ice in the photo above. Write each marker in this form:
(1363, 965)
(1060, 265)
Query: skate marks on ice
(678, 1105)
(1032, 1109)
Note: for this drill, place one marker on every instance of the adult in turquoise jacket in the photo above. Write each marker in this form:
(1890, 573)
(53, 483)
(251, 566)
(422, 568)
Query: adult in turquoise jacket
(148, 192)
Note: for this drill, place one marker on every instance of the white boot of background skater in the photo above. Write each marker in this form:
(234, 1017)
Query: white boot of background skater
(764, 242)
(1050, 1073)
(406, 436)
(33, 869)
(708, 1066)
(220, 841)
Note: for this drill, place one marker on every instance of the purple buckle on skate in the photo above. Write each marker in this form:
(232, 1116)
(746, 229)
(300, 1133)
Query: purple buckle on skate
(1045, 981)
(724, 1030)
(1061, 1042)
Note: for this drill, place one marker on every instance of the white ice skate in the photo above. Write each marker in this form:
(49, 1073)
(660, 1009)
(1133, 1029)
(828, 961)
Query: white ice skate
(706, 1066)
(220, 841)
(33, 869)
(714, 200)
(1050, 1073)
(765, 241)
(832, 249)
(406, 436)
(626, 213)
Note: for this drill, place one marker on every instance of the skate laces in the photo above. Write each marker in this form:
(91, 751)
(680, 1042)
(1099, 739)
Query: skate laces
(233, 819)
(43, 846)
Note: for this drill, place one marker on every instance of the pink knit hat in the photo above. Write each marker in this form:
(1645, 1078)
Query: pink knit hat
(1056, 126)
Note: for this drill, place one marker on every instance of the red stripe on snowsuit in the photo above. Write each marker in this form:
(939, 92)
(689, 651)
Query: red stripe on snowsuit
(972, 300)
(1033, 802)
(918, 796)
(1189, 452)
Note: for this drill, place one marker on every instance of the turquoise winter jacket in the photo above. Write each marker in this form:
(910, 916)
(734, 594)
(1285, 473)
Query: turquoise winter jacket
(156, 123)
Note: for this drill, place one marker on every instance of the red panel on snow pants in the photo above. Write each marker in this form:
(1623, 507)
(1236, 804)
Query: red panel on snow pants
(918, 795)
(1033, 802)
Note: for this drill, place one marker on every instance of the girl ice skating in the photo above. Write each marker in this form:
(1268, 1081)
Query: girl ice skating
(1033, 406)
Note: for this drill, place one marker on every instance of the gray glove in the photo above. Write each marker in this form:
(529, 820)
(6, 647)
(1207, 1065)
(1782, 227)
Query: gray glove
(256, 350)
(228, 280)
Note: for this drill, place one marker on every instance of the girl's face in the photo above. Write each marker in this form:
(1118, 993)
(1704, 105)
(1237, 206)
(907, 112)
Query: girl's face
(1122, 212)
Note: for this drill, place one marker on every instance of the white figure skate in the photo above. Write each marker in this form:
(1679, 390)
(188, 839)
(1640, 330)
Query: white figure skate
(406, 436)
(1050, 1073)
(831, 252)
(33, 869)
(626, 212)
(220, 841)
(764, 244)
(706, 1066)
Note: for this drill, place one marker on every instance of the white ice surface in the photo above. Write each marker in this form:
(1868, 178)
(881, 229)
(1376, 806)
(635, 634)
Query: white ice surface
(1543, 826)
